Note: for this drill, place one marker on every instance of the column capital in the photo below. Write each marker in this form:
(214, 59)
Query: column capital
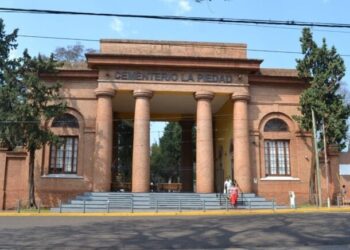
(202, 94)
(143, 93)
(104, 91)
(240, 96)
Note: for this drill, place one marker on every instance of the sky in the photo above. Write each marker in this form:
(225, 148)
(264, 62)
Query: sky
(256, 37)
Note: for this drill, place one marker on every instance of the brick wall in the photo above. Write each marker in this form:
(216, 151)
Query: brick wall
(13, 178)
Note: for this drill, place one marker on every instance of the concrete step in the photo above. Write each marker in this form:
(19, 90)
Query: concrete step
(126, 201)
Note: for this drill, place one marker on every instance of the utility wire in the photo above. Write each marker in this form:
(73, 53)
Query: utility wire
(183, 18)
(247, 22)
(290, 28)
(60, 38)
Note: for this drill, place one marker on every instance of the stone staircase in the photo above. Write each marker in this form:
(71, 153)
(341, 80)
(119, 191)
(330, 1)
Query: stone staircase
(157, 202)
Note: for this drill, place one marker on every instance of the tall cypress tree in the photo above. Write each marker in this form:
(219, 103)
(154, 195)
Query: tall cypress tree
(26, 102)
(324, 69)
(166, 157)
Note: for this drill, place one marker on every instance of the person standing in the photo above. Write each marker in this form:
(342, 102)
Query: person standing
(227, 185)
(234, 195)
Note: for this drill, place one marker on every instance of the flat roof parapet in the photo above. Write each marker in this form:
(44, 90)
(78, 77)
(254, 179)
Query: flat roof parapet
(278, 72)
(173, 48)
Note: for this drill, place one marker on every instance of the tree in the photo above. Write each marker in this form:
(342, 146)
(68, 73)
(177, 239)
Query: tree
(323, 68)
(156, 163)
(72, 55)
(166, 157)
(8, 70)
(25, 102)
(125, 143)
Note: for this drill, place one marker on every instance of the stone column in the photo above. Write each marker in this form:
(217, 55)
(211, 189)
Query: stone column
(141, 148)
(204, 143)
(104, 138)
(241, 155)
(115, 153)
(186, 168)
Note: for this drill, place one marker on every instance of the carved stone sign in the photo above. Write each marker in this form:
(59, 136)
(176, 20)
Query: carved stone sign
(173, 76)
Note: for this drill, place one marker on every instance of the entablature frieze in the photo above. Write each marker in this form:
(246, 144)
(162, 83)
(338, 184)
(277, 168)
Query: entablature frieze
(165, 76)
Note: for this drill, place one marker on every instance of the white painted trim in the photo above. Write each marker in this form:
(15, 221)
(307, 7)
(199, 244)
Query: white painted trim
(63, 176)
(280, 178)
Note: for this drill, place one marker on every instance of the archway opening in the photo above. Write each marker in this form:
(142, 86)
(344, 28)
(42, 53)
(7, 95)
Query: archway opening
(172, 156)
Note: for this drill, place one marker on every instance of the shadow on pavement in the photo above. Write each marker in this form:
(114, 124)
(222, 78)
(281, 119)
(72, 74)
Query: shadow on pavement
(176, 232)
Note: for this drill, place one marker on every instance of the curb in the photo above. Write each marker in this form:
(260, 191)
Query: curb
(177, 213)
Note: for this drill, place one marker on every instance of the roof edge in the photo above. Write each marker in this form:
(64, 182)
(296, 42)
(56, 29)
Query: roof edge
(197, 43)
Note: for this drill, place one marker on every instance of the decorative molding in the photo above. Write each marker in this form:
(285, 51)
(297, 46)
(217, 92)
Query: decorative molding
(102, 91)
(272, 103)
(254, 133)
(240, 96)
(62, 176)
(258, 79)
(143, 93)
(71, 74)
(16, 154)
(89, 130)
(238, 64)
(280, 178)
(204, 95)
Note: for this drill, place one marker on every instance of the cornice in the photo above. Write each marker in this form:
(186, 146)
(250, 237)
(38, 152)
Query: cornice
(71, 74)
(258, 79)
(107, 60)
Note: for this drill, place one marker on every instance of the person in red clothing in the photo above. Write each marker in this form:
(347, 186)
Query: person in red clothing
(234, 194)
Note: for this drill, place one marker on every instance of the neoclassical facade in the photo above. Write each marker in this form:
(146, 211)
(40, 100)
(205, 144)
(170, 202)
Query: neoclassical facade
(242, 115)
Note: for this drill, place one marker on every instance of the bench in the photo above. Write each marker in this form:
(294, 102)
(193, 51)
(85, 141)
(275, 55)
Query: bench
(346, 201)
(169, 187)
(343, 200)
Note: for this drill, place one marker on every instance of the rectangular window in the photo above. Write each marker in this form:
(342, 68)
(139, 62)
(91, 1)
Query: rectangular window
(277, 157)
(63, 156)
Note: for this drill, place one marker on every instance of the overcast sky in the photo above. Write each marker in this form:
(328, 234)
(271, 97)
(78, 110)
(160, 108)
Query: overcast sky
(256, 37)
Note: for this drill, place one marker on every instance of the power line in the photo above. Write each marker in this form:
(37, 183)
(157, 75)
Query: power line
(290, 28)
(237, 24)
(182, 18)
(246, 22)
(60, 38)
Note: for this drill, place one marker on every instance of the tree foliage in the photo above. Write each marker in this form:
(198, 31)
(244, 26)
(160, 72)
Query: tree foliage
(25, 101)
(72, 56)
(324, 68)
(166, 157)
(125, 144)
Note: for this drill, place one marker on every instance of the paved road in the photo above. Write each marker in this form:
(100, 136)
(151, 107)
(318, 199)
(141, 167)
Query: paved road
(301, 231)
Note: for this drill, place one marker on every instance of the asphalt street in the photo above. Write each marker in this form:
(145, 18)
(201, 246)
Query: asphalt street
(282, 231)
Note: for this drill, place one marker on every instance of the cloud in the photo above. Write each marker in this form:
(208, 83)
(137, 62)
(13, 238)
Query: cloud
(184, 6)
(117, 25)
(179, 6)
(123, 29)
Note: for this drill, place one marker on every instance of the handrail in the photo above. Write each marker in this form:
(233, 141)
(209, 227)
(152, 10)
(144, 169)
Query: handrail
(176, 204)
(242, 193)
(225, 198)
